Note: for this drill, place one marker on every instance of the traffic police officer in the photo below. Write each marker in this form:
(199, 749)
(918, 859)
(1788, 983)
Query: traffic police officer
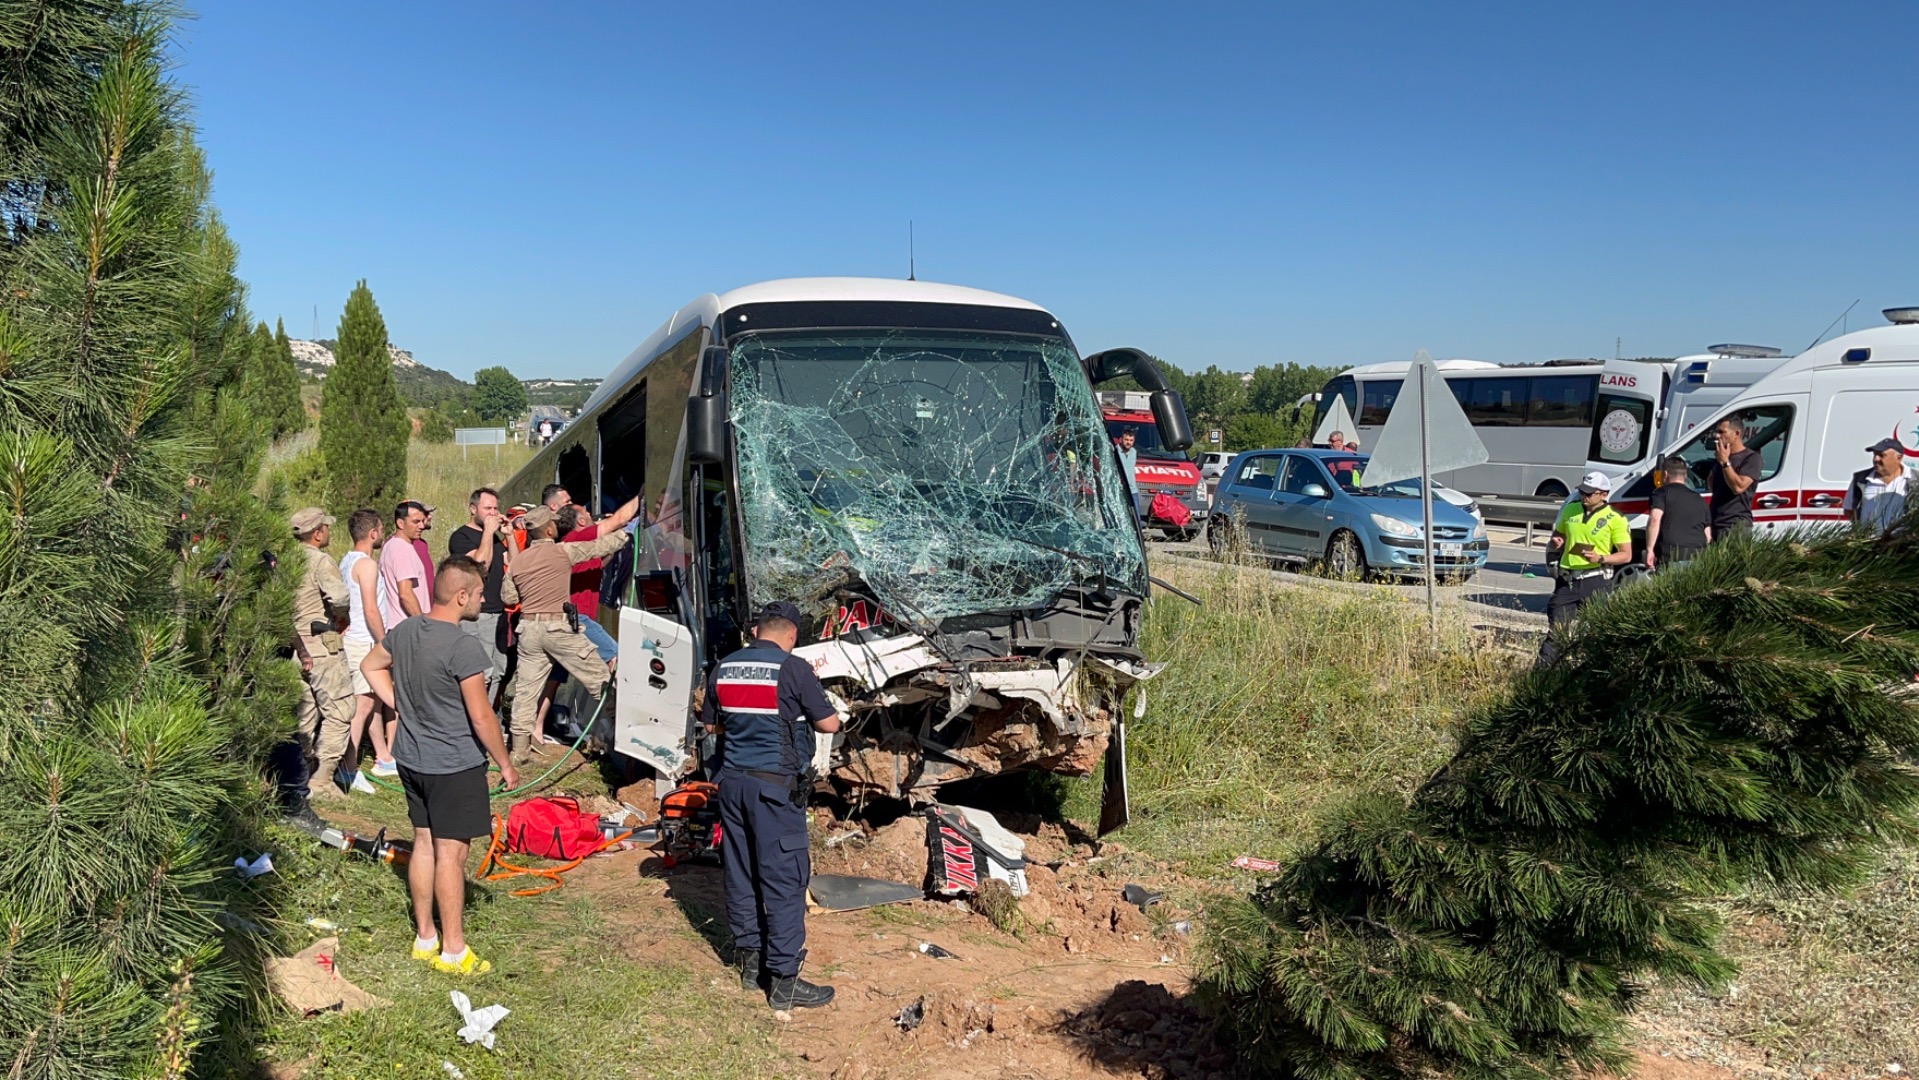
(319, 609)
(1589, 540)
(539, 581)
(767, 703)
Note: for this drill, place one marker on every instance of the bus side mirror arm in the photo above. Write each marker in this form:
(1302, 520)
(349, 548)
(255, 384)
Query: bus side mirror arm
(706, 411)
(1169, 411)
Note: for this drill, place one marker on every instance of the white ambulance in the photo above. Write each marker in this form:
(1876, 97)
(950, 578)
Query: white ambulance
(1811, 420)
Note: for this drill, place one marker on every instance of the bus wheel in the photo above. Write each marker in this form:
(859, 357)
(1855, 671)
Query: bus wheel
(1346, 557)
(1552, 489)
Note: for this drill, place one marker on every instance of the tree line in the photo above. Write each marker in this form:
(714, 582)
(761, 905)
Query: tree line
(1270, 406)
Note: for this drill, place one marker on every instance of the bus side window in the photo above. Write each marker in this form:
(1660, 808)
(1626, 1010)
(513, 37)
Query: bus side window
(576, 473)
(1377, 403)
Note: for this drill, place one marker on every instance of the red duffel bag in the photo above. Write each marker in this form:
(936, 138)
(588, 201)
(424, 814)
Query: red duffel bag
(552, 827)
(1168, 509)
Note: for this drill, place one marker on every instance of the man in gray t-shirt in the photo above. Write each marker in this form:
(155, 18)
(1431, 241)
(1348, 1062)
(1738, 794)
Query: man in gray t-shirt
(434, 675)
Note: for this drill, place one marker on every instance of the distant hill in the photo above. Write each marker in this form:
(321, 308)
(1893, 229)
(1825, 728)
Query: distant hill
(568, 394)
(426, 387)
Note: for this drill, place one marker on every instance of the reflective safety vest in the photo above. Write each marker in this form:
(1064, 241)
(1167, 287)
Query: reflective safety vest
(1605, 530)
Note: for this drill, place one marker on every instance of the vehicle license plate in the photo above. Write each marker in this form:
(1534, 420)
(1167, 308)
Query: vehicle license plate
(1451, 549)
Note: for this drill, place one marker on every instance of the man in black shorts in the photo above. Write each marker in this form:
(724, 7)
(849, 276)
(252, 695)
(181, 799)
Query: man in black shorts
(434, 674)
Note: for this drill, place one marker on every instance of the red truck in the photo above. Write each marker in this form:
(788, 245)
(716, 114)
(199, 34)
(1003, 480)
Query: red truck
(1159, 471)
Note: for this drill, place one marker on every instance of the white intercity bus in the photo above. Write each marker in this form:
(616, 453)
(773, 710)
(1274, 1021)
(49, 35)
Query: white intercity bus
(1539, 422)
(923, 469)
(1546, 425)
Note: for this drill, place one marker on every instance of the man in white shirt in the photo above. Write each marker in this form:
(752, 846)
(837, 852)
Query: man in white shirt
(1878, 495)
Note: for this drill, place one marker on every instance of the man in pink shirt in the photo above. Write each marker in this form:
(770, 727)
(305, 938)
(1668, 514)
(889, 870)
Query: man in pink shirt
(426, 553)
(406, 593)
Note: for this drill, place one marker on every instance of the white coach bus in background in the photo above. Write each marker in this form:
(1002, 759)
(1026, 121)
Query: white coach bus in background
(1540, 422)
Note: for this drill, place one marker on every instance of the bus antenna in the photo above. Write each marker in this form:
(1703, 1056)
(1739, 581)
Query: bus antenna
(912, 270)
(1833, 323)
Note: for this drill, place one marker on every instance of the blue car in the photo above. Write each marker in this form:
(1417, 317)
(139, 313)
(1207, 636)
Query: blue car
(1312, 506)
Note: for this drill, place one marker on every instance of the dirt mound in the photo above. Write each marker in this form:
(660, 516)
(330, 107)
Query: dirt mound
(896, 852)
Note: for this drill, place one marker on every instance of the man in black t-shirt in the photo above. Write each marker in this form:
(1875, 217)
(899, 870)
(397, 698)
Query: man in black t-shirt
(483, 539)
(1734, 480)
(1679, 527)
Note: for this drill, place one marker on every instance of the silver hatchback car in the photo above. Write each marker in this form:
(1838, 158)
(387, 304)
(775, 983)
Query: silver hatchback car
(1311, 505)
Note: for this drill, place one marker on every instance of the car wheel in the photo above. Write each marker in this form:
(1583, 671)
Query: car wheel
(1552, 489)
(1219, 535)
(1346, 556)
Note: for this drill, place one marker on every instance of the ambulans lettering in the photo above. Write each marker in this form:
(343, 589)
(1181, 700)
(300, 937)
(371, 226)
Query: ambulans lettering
(1627, 381)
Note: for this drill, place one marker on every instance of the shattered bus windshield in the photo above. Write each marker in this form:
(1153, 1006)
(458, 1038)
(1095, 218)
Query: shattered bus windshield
(943, 473)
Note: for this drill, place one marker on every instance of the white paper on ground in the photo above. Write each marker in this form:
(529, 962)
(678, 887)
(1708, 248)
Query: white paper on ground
(1452, 441)
(478, 1024)
(261, 865)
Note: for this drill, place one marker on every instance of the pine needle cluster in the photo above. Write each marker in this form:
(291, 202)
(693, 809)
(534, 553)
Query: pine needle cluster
(140, 594)
(1746, 718)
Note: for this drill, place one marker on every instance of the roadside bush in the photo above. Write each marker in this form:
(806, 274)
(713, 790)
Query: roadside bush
(435, 427)
(1741, 720)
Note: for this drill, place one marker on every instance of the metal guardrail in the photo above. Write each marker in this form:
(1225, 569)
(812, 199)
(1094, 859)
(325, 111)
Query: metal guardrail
(1519, 511)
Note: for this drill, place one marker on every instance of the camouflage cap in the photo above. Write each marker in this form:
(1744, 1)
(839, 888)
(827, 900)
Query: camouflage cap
(309, 519)
(538, 518)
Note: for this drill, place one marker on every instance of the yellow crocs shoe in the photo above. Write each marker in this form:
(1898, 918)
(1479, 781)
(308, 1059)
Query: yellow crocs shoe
(469, 963)
(430, 954)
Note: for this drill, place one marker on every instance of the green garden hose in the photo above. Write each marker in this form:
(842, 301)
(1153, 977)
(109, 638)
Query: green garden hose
(585, 729)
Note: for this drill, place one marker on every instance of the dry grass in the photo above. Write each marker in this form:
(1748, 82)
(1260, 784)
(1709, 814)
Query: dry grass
(440, 476)
(1279, 701)
(1824, 982)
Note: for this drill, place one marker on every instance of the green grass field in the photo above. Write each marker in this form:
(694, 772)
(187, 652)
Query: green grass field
(1277, 703)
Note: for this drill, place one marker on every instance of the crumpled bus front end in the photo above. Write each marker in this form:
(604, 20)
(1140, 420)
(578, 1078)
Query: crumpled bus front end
(945, 509)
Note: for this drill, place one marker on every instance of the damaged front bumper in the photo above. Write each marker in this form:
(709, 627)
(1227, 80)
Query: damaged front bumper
(917, 719)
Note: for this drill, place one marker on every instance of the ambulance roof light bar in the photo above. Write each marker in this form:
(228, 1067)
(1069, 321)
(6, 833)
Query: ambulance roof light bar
(1745, 352)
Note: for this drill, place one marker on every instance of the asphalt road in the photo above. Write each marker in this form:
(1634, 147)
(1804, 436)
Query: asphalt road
(1513, 579)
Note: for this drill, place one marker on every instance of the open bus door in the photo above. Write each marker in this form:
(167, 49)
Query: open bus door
(658, 663)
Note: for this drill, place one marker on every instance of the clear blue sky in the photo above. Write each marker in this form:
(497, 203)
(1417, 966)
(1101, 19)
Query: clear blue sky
(1233, 185)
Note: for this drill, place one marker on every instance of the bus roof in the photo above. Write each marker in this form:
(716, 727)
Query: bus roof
(707, 308)
(814, 290)
(1398, 367)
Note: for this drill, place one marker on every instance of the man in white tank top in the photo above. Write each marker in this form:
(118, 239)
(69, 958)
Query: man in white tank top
(365, 626)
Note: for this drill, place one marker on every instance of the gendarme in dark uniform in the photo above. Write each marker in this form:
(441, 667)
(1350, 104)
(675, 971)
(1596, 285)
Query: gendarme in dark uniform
(767, 703)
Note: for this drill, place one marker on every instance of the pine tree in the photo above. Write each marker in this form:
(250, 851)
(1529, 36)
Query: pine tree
(289, 412)
(497, 395)
(363, 424)
(1740, 719)
(126, 447)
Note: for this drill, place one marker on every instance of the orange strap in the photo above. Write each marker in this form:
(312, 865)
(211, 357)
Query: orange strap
(507, 870)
